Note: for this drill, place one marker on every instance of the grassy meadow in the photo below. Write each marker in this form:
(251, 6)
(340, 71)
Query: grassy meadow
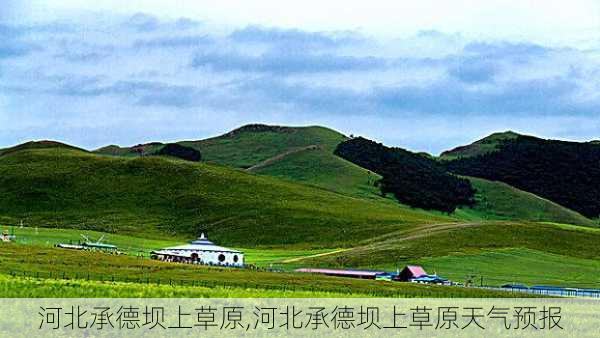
(51, 263)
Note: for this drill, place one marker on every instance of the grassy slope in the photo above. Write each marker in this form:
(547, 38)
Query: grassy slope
(316, 166)
(156, 196)
(500, 201)
(455, 250)
(243, 149)
(320, 168)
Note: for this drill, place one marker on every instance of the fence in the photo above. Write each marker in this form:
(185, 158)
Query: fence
(210, 283)
(551, 291)
(389, 289)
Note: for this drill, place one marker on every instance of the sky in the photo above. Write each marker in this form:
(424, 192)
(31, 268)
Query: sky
(423, 75)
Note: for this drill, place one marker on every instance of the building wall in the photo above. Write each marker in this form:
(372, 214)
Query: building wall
(211, 257)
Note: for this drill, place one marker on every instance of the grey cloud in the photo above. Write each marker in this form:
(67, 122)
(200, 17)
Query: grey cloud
(174, 41)
(293, 37)
(143, 22)
(142, 93)
(285, 62)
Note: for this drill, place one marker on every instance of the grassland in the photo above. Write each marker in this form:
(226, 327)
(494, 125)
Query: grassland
(29, 287)
(517, 265)
(157, 197)
(49, 237)
(496, 265)
(48, 263)
(500, 201)
(547, 252)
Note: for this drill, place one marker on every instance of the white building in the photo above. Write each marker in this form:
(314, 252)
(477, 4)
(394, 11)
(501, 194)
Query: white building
(201, 251)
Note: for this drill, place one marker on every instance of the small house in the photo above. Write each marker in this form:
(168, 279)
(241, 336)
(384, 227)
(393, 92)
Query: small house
(410, 272)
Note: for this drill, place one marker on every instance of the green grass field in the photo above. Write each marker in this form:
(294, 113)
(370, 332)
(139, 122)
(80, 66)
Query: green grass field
(48, 237)
(300, 207)
(497, 264)
(541, 253)
(48, 263)
(28, 287)
(517, 265)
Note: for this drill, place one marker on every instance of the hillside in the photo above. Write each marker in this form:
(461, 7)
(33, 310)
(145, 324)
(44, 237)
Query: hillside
(486, 145)
(567, 173)
(252, 144)
(305, 155)
(153, 197)
(497, 200)
(298, 154)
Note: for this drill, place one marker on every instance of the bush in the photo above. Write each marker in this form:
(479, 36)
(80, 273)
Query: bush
(179, 151)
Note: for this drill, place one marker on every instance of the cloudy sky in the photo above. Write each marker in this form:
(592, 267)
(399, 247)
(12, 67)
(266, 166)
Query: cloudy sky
(421, 75)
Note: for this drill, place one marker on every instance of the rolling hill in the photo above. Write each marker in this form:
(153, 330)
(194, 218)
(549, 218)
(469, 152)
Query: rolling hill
(306, 155)
(45, 144)
(156, 197)
(567, 173)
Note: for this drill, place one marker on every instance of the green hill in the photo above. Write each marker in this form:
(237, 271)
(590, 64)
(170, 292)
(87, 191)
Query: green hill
(39, 145)
(154, 196)
(497, 200)
(305, 155)
(252, 144)
(486, 145)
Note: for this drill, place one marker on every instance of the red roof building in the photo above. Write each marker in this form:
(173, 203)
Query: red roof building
(410, 272)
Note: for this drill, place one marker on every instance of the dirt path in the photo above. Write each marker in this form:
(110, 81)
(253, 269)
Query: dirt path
(296, 259)
(278, 157)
